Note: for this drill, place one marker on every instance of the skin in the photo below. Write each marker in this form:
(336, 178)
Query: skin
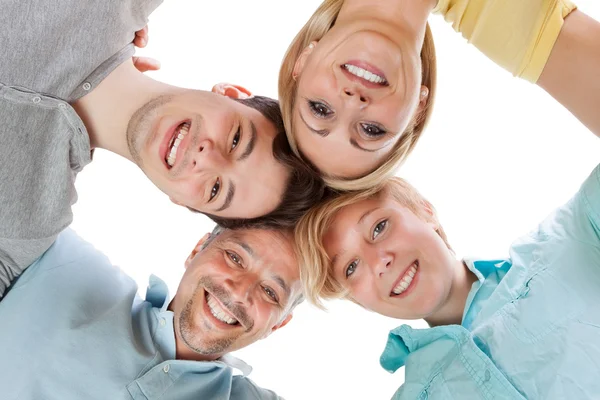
(571, 73)
(374, 242)
(245, 271)
(339, 117)
(133, 115)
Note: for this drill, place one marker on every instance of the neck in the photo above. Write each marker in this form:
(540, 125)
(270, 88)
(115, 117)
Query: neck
(402, 17)
(107, 110)
(452, 311)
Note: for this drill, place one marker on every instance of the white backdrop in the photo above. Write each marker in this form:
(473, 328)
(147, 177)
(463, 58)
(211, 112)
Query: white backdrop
(498, 156)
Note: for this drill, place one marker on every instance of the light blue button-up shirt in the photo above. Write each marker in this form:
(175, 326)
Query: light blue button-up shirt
(72, 327)
(531, 325)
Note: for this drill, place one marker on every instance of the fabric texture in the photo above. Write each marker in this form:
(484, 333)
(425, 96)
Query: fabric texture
(73, 327)
(518, 35)
(53, 52)
(531, 326)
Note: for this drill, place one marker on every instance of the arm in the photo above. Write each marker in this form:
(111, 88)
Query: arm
(572, 73)
(543, 41)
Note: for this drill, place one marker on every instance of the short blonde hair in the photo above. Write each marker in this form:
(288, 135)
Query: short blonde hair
(316, 27)
(315, 265)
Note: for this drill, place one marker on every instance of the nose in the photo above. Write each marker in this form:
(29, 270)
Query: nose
(240, 287)
(356, 96)
(206, 155)
(383, 263)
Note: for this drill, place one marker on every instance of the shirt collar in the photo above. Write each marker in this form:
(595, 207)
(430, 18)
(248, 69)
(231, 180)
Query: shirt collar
(157, 294)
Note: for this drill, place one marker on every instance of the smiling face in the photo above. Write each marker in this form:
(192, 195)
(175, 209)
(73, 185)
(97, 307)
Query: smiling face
(238, 289)
(390, 260)
(209, 152)
(358, 90)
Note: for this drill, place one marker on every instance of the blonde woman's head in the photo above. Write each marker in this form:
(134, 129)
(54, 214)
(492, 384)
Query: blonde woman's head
(382, 248)
(356, 94)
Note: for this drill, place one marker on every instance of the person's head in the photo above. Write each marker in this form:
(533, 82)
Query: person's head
(239, 286)
(356, 94)
(383, 248)
(219, 152)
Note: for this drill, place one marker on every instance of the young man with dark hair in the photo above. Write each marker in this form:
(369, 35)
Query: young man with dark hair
(64, 92)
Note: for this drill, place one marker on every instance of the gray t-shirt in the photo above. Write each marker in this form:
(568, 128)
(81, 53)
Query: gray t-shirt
(52, 53)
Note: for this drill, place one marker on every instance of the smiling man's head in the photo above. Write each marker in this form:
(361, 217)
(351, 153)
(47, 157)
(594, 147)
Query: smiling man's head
(239, 287)
(221, 153)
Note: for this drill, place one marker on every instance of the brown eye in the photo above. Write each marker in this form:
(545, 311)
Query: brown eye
(234, 257)
(319, 109)
(236, 138)
(215, 190)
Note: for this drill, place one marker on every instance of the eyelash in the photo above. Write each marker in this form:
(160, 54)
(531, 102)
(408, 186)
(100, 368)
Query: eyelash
(233, 257)
(274, 297)
(319, 109)
(236, 138)
(353, 264)
(364, 127)
(215, 189)
(381, 225)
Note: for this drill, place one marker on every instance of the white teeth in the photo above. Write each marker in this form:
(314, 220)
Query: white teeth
(172, 155)
(406, 279)
(218, 312)
(363, 73)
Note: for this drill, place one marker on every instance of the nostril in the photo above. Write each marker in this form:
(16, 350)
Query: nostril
(194, 162)
(389, 263)
(363, 99)
(201, 148)
(349, 93)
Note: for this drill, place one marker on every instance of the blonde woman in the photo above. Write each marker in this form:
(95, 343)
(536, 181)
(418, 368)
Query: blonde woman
(523, 327)
(357, 83)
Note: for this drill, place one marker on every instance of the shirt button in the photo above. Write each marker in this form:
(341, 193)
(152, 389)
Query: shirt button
(163, 322)
(488, 376)
(87, 86)
(37, 99)
(166, 368)
(62, 106)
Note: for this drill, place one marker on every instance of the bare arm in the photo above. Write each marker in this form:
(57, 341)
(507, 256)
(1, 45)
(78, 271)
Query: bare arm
(572, 73)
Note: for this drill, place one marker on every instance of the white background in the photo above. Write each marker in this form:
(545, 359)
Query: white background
(498, 156)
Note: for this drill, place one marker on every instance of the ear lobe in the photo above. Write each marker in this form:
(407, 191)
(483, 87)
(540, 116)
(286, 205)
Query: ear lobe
(197, 249)
(301, 61)
(231, 91)
(423, 96)
(281, 324)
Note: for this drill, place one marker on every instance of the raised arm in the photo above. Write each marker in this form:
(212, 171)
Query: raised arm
(546, 42)
(572, 73)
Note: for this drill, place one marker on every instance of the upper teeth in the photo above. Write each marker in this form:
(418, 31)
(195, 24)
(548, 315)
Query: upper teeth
(179, 135)
(363, 73)
(218, 312)
(406, 279)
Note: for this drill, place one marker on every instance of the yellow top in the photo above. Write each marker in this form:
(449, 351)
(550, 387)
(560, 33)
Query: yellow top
(518, 35)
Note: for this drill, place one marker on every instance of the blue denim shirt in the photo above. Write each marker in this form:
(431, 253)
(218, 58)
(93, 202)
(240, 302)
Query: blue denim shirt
(531, 324)
(73, 327)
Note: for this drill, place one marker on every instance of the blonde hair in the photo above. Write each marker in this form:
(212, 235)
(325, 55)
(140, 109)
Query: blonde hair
(316, 27)
(315, 265)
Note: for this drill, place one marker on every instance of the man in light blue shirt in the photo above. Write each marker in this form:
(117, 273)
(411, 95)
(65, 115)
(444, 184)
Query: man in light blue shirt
(73, 326)
(531, 325)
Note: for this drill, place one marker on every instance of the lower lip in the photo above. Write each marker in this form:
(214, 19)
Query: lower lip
(410, 287)
(217, 322)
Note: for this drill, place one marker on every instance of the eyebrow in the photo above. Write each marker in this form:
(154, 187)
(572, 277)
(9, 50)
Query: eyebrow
(365, 215)
(251, 143)
(229, 197)
(243, 245)
(322, 133)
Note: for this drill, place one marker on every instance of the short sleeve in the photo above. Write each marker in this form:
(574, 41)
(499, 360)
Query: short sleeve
(518, 35)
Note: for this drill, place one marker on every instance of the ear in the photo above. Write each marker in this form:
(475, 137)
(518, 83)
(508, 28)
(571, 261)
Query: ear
(301, 61)
(196, 249)
(423, 96)
(431, 216)
(281, 324)
(231, 91)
